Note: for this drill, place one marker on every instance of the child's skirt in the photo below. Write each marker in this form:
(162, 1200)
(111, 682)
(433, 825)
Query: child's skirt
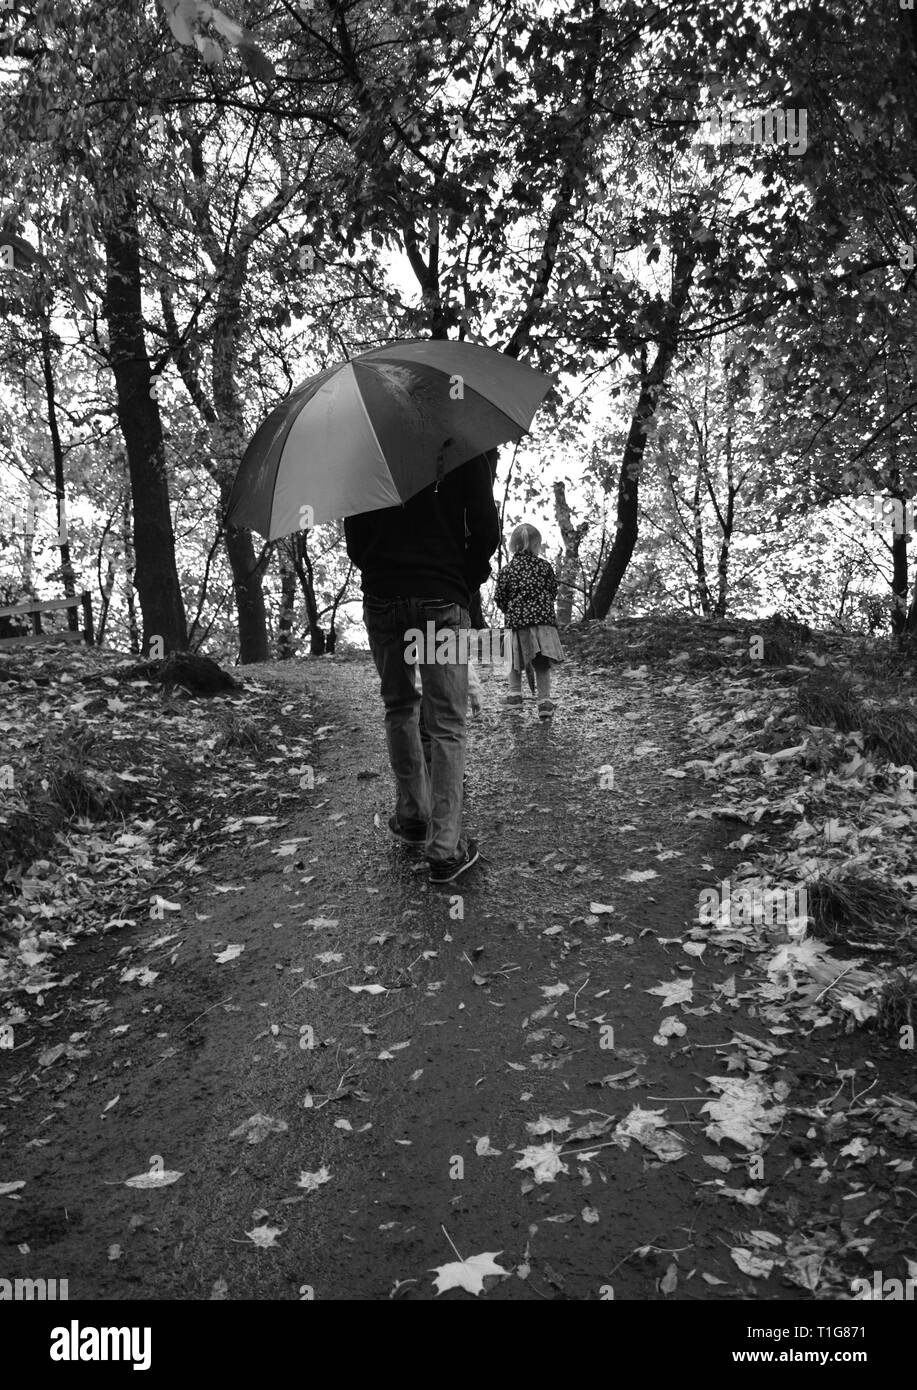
(529, 642)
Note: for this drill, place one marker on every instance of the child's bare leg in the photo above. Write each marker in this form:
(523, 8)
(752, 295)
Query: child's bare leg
(543, 677)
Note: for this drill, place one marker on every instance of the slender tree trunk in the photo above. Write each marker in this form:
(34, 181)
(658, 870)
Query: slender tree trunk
(899, 556)
(57, 455)
(572, 536)
(127, 541)
(156, 575)
(107, 590)
(227, 440)
(28, 553)
(303, 564)
(700, 562)
(727, 526)
(722, 567)
(647, 402)
(899, 582)
(338, 598)
(287, 605)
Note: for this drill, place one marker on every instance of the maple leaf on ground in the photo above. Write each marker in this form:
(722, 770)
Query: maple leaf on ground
(265, 1237)
(468, 1274)
(741, 1112)
(544, 1161)
(649, 1128)
(674, 992)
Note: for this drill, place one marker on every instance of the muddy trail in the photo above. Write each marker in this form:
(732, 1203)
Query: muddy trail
(386, 1067)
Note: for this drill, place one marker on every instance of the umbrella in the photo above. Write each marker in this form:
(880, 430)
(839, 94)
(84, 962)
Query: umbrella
(372, 432)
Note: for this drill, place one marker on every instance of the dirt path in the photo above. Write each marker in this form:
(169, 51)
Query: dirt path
(495, 1012)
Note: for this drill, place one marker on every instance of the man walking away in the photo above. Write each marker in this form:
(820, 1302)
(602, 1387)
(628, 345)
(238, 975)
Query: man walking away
(421, 562)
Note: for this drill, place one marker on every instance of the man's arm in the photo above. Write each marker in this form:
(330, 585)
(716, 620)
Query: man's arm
(482, 521)
(356, 532)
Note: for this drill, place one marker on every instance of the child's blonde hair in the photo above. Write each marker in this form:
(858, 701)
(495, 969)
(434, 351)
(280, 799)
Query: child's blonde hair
(525, 537)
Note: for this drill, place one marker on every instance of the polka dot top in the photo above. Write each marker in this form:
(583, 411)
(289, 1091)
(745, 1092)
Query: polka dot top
(526, 590)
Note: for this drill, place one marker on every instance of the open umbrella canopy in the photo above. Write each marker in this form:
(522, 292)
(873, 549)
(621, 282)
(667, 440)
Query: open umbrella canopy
(372, 432)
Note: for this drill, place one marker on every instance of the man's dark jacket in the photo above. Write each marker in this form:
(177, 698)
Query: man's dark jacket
(420, 549)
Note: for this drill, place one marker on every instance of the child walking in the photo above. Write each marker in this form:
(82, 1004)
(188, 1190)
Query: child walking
(525, 594)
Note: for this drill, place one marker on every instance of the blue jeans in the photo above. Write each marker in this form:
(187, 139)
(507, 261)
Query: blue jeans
(430, 799)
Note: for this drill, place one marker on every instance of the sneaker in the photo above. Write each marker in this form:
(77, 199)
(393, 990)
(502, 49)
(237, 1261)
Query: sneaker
(513, 700)
(409, 834)
(446, 870)
(546, 709)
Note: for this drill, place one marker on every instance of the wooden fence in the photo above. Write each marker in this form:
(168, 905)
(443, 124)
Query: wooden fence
(34, 610)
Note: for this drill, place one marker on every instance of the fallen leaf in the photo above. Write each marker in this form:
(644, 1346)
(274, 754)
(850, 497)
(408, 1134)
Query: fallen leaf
(468, 1274)
(670, 1027)
(544, 1161)
(265, 1237)
(741, 1112)
(154, 1178)
(674, 991)
(484, 1149)
(312, 1181)
(649, 1128)
(545, 1125)
(231, 953)
(750, 1264)
(257, 1127)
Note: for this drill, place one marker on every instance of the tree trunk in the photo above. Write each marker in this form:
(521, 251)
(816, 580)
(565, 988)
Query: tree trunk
(302, 562)
(700, 562)
(156, 576)
(629, 478)
(247, 569)
(899, 551)
(727, 526)
(287, 605)
(57, 454)
(899, 582)
(133, 632)
(228, 445)
(572, 536)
